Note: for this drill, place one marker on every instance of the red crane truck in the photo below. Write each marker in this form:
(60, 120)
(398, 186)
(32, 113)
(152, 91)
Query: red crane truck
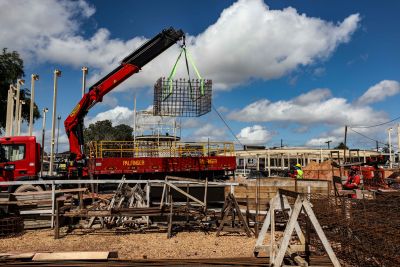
(20, 156)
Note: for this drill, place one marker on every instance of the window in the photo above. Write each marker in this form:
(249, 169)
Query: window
(14, 152)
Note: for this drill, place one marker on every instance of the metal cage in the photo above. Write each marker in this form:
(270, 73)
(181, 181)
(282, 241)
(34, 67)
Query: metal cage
(182, 98)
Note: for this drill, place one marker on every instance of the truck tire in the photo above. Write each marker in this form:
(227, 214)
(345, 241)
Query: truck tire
(28, 188)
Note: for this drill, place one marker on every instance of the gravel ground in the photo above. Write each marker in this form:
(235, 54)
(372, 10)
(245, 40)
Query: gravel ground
(135, 246)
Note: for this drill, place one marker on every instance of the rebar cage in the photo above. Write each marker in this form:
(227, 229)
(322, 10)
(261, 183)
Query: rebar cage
(182, 98)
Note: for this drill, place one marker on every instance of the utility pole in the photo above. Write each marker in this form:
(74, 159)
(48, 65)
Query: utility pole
(57, 73)
(58, 132)
(281, 143)
(19, 83)
(43, 135)
(34, 77)
(328, 142)
(377, 146)
(390, 147)
(345, 143)
(84, 73)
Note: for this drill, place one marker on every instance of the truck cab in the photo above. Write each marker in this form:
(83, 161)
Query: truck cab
(19, 158)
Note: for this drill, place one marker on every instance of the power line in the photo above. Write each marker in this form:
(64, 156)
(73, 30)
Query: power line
(376, 125)
(226, 124)
(363, 135)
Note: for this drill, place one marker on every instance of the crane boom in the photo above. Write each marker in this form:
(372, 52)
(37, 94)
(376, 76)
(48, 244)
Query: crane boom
(129, 65)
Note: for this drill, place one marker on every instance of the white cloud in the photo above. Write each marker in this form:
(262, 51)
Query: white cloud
(316, 106)
(117, 115)
(207, 132)
(251, 41)
(318, 72)
(27, 26)
(247, 41)
(321, 141)
(254, 135)
(379, 92)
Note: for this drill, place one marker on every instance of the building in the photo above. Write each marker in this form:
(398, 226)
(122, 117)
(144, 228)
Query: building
(274, 161)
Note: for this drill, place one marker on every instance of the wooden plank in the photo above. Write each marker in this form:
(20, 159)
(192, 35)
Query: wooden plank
(75, 255)
(49, 192)
(288, 232)
(26, 255)
(321, 234)
(185, 194)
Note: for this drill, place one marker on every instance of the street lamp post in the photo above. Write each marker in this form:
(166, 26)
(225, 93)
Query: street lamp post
(10, 111)
(17, 98)
(43, 135)
(34, 77)
(57, 73)
(21, 102)
(84, 73)
(58, 132)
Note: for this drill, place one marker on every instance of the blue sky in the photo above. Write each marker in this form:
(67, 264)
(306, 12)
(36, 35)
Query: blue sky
(292, 70)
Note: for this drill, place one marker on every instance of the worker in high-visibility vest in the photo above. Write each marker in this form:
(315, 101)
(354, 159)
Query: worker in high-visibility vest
(298, 171)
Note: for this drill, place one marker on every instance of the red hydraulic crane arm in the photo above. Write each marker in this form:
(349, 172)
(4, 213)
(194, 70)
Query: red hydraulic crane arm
(129, 65)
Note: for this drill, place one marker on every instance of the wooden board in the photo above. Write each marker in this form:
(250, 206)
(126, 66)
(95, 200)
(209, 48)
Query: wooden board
(75, 255)
(27, 255)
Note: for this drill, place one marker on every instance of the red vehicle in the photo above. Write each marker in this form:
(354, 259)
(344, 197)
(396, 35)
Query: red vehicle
(26, 164)
(19, 158)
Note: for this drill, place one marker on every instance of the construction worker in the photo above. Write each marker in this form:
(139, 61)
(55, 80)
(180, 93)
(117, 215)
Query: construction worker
(353, 179)
(298, 172)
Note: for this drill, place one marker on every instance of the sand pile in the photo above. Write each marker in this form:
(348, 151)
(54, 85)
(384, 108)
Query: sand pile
(320, 171)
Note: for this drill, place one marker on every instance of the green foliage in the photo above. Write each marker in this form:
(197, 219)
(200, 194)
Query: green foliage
(12, 69)
(341, 146)
(103, 130)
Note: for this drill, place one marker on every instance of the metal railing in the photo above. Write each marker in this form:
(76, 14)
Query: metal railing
(106, 149)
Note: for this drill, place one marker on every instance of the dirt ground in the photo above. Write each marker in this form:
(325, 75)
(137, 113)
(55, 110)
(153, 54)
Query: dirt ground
(135, 246)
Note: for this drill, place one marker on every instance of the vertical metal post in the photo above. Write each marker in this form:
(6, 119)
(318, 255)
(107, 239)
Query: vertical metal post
(57, 73)
(17, 98)
(390, 147)
(53, 196)
(205, 194)
(398, 143)
(269, 163)
(148, 188)
(84, 73)
(345, 144)
(43, 135)
(34, 77)
(244, 166)
(258, 162)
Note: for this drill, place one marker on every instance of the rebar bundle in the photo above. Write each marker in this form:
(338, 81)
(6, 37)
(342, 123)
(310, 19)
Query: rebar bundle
(182, 98)
(362, 232)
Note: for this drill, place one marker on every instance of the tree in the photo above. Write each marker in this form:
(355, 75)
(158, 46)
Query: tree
(341, 146)
(12, 69)
(103, 130)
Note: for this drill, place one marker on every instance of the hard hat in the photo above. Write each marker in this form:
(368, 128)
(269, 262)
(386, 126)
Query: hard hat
(298, 165)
